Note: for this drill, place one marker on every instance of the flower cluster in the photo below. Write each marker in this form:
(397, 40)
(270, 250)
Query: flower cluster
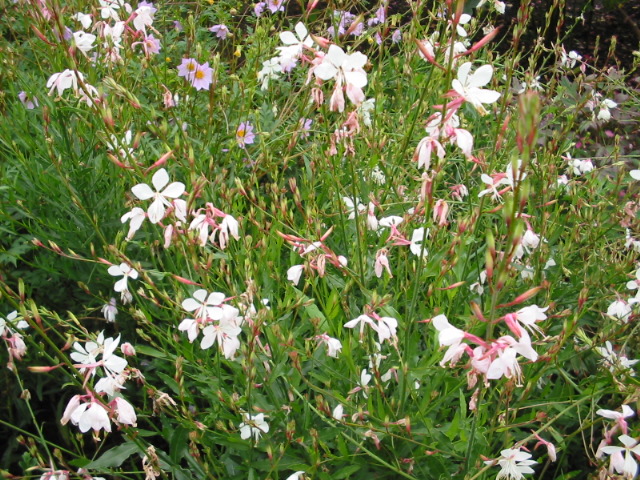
(492, 359)
(92, 410)
(14, 340)
(216, 320)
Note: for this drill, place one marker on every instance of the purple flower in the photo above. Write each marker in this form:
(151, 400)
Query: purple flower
(379, 17)
(396, 36)
(202, 77)
(305, 125)
(177, 25)
(187, 68)
(275, 5)
(221, 31)
(244, 134)
(151, 45)
(28, 101)
(148, 4)
(259, 8)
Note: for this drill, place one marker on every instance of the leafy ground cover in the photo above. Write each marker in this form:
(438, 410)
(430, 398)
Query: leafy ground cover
(310, 241)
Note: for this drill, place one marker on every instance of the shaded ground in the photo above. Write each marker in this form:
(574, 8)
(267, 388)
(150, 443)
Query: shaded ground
(589, 28)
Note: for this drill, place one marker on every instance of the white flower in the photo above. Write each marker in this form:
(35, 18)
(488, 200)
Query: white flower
(63, 81)
(627, 411)
(125, 414)
(620, 310)
(143, 18)
(228, 226)
(294, 274)
(351, 207)
(296, 476)
(84, 19)
(225, 333)
(362, 320)
(135, 217)
(613, 360)
(253, 425)
(333, 344)
(528, 316)
(124, 270)
(271, 70)
(417, 238)
(366, 108)
(6, 323)
(84, 41)
(513, 464)
(160, 180)
(468, 86)
(109, 8)
(346, 69)
(110, 311)
(205, 307)
(338, 412)
(295, 44)
(628, 467)
(88, 416)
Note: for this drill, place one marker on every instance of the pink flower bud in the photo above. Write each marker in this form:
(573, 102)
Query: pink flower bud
(127, 349)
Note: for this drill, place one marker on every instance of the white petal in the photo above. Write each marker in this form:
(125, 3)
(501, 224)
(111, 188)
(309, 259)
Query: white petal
(301, 31)
(160, 179)
(143, 191)
(463, 72)
(156, 210)
(288, 38)
(325, 71)
(356, 78)
(336, 55)
(485, 96)
(481, 76)
(174, 190)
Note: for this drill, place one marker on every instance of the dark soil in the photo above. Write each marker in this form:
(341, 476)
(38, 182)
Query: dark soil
(588, 27)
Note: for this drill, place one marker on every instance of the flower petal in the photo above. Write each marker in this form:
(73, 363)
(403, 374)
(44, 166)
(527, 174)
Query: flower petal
(143, 191)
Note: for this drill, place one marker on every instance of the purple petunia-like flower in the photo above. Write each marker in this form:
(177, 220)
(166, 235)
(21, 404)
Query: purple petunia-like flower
(221, 31)
(202, 77)
(244, 134)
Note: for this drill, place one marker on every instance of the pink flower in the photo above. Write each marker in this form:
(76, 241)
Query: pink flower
(244, 134)
(151, 45)
(202, 77)
(221, 31)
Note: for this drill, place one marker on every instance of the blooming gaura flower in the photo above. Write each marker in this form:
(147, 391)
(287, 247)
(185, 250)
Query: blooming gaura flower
(125, 271)
(468, 86)
(159, 180)
(253, 425)
(513, 464)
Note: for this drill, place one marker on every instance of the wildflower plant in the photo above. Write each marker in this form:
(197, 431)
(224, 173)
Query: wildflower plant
(347, 244)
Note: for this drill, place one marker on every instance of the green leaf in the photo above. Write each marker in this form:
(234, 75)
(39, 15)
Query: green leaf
(114, 457)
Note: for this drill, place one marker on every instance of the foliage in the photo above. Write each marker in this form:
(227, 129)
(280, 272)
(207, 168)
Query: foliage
(250, 269)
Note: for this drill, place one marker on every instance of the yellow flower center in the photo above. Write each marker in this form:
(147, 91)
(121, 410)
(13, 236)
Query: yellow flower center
(241, 133)
(199, 74)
